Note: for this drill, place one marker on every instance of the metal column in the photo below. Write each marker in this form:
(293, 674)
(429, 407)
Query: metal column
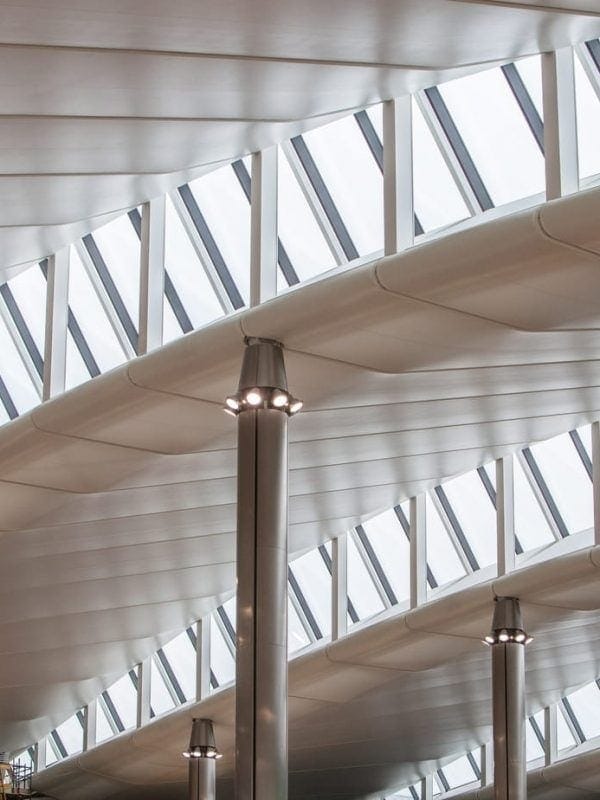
(202, 754)
(507, 640)
(262, 406)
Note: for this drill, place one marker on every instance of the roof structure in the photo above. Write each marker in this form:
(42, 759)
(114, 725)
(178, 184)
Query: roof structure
(476, 342)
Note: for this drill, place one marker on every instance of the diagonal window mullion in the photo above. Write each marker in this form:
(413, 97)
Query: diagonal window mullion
(173, 685)
(456, 527)
(363, 120)
(325, 198)
(376, 565)
(545, 492)
(214, 683)
(22, 329)
(525, 103)
(171, 292)
(111, 711)
(491, 492)
(77, 334)
(110, 287)
(405, 524)
(283, 259)
(329, 564)
(211, 246)
(459, 148)
(583, 453)
(7, 401)
(594, 49)
(306, 610)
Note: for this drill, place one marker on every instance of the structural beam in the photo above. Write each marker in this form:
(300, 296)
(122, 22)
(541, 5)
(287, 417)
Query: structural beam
(418, 551)
(560, 123)
(505, 515)
(262, 405)
(40, 754)
(57, 320)
(398, 205)
(152, 275)
(339, 586)
(263, 226)
(507, 641)
(487, 763)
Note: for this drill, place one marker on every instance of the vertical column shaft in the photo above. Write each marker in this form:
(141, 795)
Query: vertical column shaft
(550, 734)
(508, 682)
(508, 640)
(263, 226)
(399, 224)
(201, 778)
(90, 714)
(143, 692)
(560, 123)
(596, 478)
(505, 515)
(261, 666)
(57, 310)
(152, 275)
(418, 552)
(203, 658)
(339, 586)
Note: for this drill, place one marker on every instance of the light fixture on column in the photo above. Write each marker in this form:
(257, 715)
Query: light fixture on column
(507, 624)
(263, 382)
(202, 740)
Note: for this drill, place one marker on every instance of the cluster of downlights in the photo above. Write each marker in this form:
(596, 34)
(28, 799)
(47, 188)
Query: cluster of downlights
(264, 397)
(507, 636)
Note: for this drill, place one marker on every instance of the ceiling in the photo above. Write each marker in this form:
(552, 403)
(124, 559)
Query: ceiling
(118, 497)
(386, 704)
(107, 104)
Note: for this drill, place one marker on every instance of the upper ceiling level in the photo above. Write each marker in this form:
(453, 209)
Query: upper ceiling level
(105, 105)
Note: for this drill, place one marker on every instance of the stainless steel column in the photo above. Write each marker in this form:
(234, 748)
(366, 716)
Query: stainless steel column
(202, 754)
(508, 640)
(262, 405)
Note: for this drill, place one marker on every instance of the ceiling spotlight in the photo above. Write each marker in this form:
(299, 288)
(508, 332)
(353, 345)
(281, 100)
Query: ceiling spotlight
(233, 403)
(489, 640)
(230, 412)
(503, 636)
(520, 637)
(279, 399)
(254, 397)
(295, 406)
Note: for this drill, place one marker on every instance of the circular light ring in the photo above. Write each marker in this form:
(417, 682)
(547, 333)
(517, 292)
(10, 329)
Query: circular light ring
(507, 636)
(262, 397)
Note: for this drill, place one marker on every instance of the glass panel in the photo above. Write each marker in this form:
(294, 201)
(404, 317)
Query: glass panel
(160, 698)
(565, 737)
(533, 747)
(76, 372)
(230, 609)
(585, 703)
(365, 597)
(227, 212)
(476, 514)
(315, 582)
(120, 249)
(298, 229)
(221, 660)
(181, 655)
(297, 636)
(392, 549)
(459, 772)
(530, 70)
(92, 320)
(531, 526)
(588, 123)
(71, 734)
(103, 728)
(353, 179)
(187, 273)
(51, 754)
(14, 374)
(567, 480)
(29, 290)
(124, 697)
(171, 327)
(437, 199)
(496, 134)
(441, 555)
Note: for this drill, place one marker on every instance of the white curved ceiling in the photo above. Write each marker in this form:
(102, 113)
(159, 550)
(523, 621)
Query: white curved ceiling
(106, 104)
(388, 703)
(118, 497)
